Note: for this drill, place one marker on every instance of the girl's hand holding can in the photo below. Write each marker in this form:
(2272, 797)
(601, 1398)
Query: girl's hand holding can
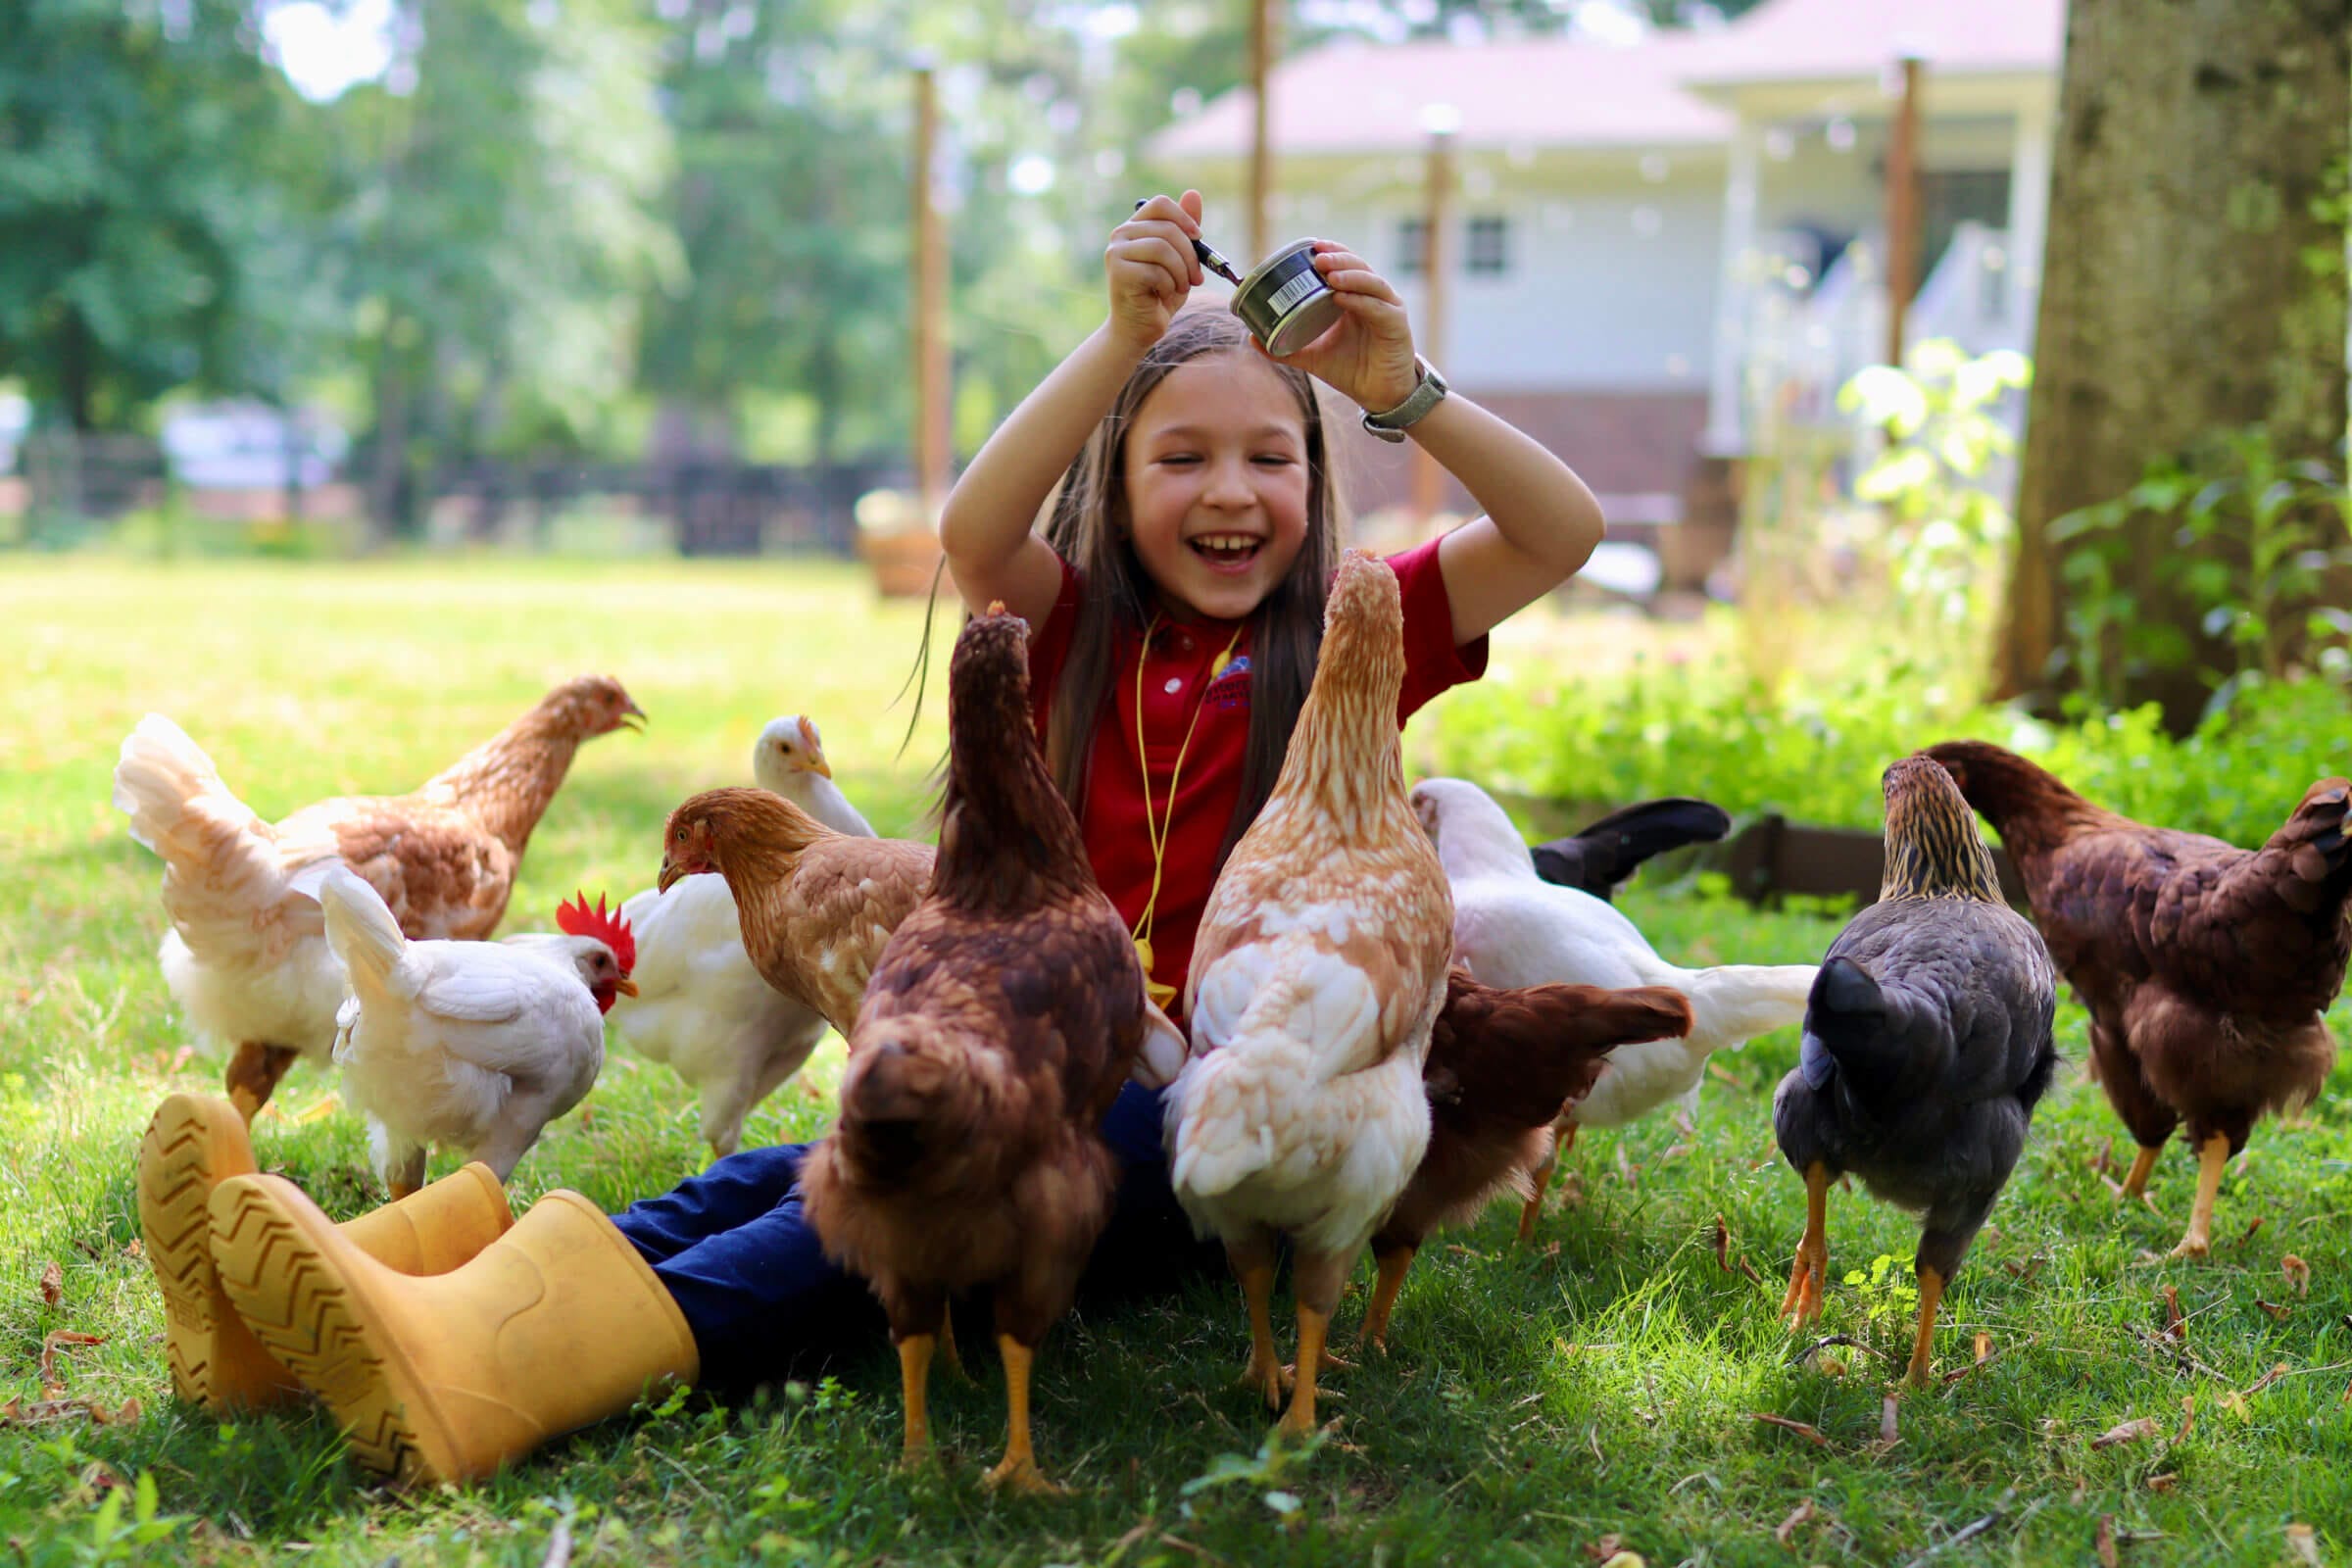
(1368, 354)
(1151, 268)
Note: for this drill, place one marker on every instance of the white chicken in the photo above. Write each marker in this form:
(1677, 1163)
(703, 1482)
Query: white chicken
(701, 1005)
(476, 1045)
(246, 956)
(1513, 928)
(790, 761)
(1318, 973)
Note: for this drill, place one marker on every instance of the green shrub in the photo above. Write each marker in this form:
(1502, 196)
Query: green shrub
(1815, 756)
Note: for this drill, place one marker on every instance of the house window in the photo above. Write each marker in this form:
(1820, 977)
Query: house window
(1486, 247)
(1410, 235)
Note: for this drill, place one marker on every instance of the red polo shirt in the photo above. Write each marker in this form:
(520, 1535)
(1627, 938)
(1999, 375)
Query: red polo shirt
(1177, 681)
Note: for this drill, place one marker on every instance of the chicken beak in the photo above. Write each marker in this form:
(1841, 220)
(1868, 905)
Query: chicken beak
(633, 711)
(625, 986)
(820, 766)
(671, 871)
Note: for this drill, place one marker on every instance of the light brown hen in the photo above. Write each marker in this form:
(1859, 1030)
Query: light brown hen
(815, 906)
(247, 954)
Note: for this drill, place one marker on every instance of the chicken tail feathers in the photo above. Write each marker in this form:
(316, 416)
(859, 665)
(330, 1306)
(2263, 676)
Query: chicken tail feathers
(1597, 858)
(1859, 1029)
(1734, 1002)
(360, 929)
(222, 862)
(2318, 852)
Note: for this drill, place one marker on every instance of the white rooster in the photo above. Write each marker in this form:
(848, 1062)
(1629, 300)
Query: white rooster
(700, 1006)
(476, 1045)
(1318, 974)
(1513, 928)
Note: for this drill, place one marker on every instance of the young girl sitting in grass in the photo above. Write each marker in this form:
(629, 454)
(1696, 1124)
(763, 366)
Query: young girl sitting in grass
(1176, 598)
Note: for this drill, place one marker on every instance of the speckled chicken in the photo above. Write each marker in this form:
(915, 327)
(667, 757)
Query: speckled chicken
(813, 906)
(1503, 1064)
(1317, 976)
(1927, 1045)
(2206, 968)
(1000, 1020)
(247, 956)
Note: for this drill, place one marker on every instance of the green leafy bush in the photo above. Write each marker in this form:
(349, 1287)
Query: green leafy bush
(1815, 755)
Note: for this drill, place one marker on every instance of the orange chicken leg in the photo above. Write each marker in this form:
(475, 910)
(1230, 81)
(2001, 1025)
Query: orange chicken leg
(1802, 1303)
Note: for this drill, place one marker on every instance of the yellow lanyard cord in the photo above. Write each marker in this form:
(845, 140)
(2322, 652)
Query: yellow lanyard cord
(1156, 830)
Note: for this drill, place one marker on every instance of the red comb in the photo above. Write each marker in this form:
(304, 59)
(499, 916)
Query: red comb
(576, 919)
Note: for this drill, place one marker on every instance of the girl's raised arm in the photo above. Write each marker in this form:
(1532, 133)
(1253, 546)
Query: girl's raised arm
(1539, 523)
(986, 526)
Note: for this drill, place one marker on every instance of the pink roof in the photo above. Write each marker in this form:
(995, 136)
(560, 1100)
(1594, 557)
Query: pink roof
(1357, 97)
(1812, 41)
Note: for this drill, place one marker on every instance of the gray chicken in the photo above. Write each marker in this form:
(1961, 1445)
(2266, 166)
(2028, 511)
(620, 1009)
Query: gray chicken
(1927, 1044)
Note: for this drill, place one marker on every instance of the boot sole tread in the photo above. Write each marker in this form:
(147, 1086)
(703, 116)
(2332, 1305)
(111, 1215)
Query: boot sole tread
(176, 1177)
(308, 1316)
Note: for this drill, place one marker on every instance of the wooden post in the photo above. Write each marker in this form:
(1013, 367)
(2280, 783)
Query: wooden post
(931, 427)
(1429, 333)
(1261, 150)
(1902, 211)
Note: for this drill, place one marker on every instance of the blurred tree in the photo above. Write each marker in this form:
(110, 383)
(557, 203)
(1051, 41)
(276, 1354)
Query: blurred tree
(790, 202)
(499, 223)
(2193, 281)
(151, 235)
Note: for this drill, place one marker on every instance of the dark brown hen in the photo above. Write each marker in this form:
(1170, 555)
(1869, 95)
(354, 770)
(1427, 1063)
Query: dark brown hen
(1503, 1064)
(1002, 1018)
(2205, 967)
(1927, 1046)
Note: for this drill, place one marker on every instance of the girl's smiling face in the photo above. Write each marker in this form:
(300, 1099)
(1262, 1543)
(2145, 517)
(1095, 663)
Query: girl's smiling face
(1217, 484)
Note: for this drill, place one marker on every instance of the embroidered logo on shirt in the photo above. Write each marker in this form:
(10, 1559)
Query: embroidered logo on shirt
(1231, 688)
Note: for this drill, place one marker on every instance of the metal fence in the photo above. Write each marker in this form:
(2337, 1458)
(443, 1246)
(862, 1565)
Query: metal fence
(62, 481)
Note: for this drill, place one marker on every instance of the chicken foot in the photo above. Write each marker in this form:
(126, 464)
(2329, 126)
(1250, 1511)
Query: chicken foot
(1562, 1142)
(1300, 1419)
(1264, 1371)
(1802, 1303)
(1318, 1278)
(1930, 1295)
(252, 1075)
(1018, 1469)
(914, 1380)
(1393, 1265)
(2213, 1156)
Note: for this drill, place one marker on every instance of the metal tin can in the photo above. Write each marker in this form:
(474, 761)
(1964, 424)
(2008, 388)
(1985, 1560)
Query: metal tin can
(1285, 302)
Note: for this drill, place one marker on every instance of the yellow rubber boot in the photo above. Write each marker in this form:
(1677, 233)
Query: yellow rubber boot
(194, 1144)
(556, 1324)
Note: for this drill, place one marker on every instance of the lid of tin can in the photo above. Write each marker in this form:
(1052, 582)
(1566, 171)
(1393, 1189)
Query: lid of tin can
(1285, 302)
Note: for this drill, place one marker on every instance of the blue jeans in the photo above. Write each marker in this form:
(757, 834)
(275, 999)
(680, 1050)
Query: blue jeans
(738, 1254)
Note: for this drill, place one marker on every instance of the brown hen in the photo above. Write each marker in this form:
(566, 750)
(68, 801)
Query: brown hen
(1503, 1067)
(2205, 967)
(815, 906)
(247, 956)
(997, 1029)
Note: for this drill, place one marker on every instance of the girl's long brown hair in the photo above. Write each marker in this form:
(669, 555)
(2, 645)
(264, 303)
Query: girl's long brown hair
(1087, 525)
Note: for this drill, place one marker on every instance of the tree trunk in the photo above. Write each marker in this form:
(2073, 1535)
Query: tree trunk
(2194, 141)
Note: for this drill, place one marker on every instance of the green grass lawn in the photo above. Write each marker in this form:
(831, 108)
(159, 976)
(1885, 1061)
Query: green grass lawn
(1534, 1404)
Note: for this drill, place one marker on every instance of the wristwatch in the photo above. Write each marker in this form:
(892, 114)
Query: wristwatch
(1426, 395)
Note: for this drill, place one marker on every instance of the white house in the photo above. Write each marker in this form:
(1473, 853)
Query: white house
(1651, 239)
